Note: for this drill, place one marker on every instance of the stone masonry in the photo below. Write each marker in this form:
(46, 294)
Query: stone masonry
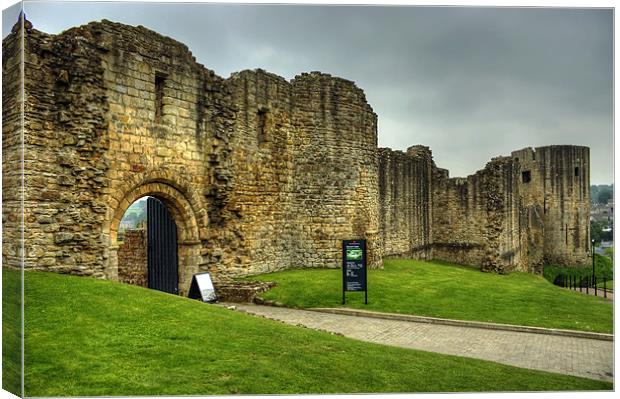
(259, 173)
(518, 213)
(132, 258)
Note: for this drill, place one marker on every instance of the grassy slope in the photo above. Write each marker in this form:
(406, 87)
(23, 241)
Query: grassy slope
(449, 291)
(11, 327)
(89, 337)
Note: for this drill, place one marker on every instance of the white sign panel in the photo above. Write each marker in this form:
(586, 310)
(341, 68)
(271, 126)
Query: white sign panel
(201, 283)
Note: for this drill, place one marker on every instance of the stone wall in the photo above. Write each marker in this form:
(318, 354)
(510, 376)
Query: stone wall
(304, 170)
(62, 148)
(517, 214)
(263, 157)
(405, 202)
(133, 259)
(558, 195)
(477, 224)
(12, 213)
(12, 153)
(335, 170)
(259, 173)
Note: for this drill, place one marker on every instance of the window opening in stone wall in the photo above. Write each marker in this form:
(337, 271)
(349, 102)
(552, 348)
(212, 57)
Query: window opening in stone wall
(160, 81)
(526, 176)
(260, 125)
(576, 171)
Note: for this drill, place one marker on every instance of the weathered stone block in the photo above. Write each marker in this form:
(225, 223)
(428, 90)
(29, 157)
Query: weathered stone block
(63, 237)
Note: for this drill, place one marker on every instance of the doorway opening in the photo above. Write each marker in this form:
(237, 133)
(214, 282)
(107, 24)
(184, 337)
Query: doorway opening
(148, 246)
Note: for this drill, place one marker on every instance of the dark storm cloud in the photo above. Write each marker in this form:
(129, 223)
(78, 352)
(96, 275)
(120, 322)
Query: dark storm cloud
(471, 83)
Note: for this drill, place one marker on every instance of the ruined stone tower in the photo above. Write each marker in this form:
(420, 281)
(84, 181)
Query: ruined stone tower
(517, 214)
(259, 173)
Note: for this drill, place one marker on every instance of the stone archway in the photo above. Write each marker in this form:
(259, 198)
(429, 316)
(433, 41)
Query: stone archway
(182, 211)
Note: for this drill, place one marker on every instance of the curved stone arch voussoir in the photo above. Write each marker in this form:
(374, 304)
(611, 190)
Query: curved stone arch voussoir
(176, 193)
(174, 188)
(180, 208)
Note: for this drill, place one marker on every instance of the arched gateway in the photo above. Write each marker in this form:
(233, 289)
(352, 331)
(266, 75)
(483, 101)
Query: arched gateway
(183, 214)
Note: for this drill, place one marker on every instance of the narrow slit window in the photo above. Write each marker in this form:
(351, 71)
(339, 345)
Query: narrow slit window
(261, 125)
(160, 81)
(576, 171)
(526, 176)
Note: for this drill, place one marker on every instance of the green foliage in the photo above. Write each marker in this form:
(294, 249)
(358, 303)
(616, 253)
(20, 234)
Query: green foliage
(600, 194)
(604, 195)
(88, 337)
(597, 233)
(608, 285)
(446, 290)
(603, 266)
(136, 213)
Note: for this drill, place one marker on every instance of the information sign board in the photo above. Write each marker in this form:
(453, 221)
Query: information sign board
(202, 288)
(354, 267)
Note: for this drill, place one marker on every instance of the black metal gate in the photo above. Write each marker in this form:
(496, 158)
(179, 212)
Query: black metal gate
(163, 272)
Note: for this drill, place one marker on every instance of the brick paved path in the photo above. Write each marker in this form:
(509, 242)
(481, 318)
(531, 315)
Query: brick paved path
(583, 357)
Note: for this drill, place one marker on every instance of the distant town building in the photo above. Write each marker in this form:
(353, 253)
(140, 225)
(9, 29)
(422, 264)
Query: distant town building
(602, 212)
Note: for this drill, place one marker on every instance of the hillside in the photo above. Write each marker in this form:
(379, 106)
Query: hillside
(87, 337)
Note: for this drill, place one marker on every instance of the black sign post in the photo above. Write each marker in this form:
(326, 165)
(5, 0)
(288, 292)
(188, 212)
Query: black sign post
(354, 267)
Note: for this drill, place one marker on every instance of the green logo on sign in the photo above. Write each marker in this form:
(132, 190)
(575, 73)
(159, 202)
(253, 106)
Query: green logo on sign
(354, 254)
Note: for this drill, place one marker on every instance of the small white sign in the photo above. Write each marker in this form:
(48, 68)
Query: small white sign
(202, 283)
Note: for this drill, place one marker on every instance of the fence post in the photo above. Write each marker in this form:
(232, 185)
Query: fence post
(605, 286)
(575, 282)
(595, 287)
(587, 284)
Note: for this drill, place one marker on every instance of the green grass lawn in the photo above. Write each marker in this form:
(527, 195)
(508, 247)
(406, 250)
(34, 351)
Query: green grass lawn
(11, 328)
(87, 337)
(445, 290)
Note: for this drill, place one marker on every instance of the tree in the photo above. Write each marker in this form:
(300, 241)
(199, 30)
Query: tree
(597, 233)
(604, 195)
(601, 194)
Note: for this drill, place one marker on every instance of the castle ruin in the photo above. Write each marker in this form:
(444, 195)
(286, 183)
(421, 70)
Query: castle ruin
(259, 173)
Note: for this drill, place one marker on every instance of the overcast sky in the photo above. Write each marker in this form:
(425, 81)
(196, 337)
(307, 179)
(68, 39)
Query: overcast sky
(470, 83)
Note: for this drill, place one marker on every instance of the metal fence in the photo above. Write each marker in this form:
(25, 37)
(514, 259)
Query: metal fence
(587, 284)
